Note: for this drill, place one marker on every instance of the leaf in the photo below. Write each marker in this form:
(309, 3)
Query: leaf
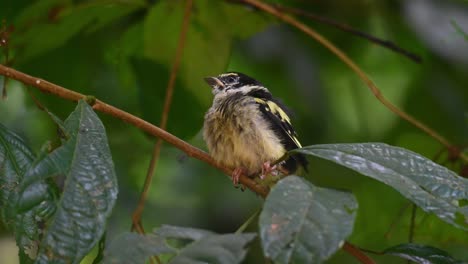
(421, 254)
(302, 223)
(15, 159)
(90, 189)
(226, 248)
(177, 232)
(432, 187)
(60, 22)
(207, 247)
(203, 246)
(22, 211)
(131, 248)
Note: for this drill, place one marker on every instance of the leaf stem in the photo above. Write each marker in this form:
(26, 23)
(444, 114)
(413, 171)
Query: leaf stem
(248, 221)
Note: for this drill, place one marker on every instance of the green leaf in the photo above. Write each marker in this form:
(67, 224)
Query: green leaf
(22, 209)
(223, 249)
(207, 247)
(421, 254)
(15, 160)
(177, 232)
(302, 223)
(61, 21)
(432, 187)
(90, 189)
(131, 248)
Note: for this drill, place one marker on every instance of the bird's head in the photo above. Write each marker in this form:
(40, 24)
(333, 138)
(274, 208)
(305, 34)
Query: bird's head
(231, 83)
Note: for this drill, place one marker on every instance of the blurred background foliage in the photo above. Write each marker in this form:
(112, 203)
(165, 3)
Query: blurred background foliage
(122, 52)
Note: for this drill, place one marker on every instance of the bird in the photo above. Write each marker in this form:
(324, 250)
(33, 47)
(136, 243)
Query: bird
(248, 130)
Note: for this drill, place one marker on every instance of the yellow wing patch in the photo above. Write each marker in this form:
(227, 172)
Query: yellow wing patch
(278, 112)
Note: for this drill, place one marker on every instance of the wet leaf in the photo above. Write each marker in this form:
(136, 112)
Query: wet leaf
(432, 187)
(206, 246)
(193, 246)
(129, 248)
(90, 189)
(421, 254)
(302, 223)
(23, 210)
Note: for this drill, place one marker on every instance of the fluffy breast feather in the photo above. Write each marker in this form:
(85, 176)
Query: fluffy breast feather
(238, 136)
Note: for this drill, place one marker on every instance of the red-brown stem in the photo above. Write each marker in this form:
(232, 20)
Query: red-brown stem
(357, 253)
(136, 217)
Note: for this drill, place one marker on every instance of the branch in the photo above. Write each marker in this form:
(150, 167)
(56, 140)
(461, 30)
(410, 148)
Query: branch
(342, 56)
(357, 253)
(48, 87)
(136, 218)
(346, 28)
(4, 43)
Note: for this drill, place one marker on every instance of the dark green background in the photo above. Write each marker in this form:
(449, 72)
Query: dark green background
(122, 52)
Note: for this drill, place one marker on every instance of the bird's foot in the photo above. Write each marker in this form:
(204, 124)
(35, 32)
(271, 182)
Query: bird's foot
(267, 168)
(236, 175)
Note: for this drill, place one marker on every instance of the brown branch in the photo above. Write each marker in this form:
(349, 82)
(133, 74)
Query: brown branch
(4, 43)
(342, 56)
(357, 253)
(344, 27)
(48, 87)
(136, 217)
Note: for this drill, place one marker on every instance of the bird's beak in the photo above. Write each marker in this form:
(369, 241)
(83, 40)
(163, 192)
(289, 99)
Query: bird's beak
(214, 82)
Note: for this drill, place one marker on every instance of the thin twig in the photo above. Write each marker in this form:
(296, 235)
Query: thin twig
(4, 43)
(136, 217)
(347, 28)
(342, 56)
(412, 223)
(191, 151)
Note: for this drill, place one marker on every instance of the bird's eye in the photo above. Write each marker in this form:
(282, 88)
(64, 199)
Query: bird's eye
(231, 79)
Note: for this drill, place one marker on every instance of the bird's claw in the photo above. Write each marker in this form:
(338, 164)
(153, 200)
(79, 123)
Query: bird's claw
(268, 169)
(236, 175)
